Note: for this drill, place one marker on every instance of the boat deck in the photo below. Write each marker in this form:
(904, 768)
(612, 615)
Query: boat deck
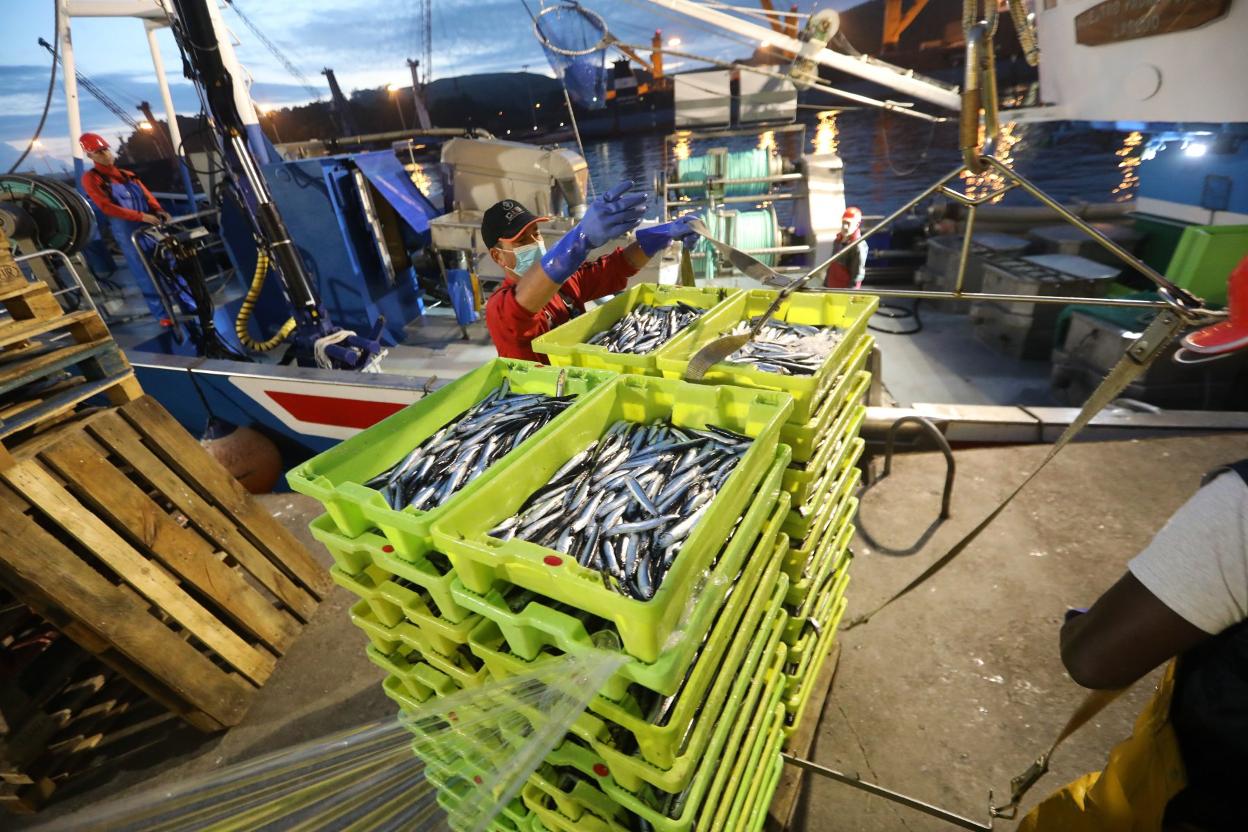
(949, 693)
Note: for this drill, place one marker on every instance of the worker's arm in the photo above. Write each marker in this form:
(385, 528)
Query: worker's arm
(152, 202)
(609, 216)
(1190, 583)
(1126, 633)
(92, 184)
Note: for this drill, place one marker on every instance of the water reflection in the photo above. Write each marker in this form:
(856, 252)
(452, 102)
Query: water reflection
(1129, 161)
(982, 184)
(825, 132)
(680, 149)
(767, 140)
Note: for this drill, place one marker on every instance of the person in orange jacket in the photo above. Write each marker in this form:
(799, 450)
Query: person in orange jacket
(851, 269)
(128, 204)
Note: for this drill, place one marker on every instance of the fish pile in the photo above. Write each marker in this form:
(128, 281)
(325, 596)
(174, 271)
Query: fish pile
(786, 348)
(463, 449)
(646, 328)
(626, 504)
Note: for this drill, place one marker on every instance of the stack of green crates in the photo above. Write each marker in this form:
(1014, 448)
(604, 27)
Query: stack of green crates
(446, 607)
(823, 432)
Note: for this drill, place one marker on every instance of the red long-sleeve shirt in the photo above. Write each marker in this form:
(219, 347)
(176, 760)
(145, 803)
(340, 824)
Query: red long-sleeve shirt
(513, 327)
(97, 187)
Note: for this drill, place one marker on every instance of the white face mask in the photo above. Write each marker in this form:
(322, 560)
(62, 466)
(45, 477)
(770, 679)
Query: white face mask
(526, 256)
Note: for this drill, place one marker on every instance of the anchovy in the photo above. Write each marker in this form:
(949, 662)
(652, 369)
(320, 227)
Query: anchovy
(464, 449)
(646, 328)
(625, 505)
(786, 348)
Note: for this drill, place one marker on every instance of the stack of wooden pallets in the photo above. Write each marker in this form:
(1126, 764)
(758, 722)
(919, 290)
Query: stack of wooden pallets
(51, 360)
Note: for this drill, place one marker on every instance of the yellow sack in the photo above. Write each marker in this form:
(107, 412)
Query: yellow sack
(1130, 795)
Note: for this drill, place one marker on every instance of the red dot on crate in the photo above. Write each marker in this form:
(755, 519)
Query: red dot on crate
(476, 778)
(600, 770)
(552, 560)
(454, 717)
(387, 548)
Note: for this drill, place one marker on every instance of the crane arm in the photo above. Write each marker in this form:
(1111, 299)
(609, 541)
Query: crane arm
(895, 78)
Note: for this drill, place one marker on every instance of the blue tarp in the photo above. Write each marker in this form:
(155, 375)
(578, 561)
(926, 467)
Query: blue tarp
(388, 176)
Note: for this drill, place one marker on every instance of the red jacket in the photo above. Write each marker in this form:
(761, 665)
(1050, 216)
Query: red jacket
(513, 327)
(96, 183)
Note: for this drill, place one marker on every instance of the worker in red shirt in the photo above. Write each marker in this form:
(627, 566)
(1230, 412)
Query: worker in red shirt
(128, 204)
(851, 269)
(543, 289)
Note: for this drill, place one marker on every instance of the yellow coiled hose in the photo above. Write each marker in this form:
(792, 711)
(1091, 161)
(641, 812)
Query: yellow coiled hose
(244, 311)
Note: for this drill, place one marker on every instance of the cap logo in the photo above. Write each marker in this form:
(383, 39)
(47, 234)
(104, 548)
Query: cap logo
(512, 210)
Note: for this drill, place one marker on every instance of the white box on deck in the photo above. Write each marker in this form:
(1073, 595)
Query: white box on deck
(703, 98)
(766, 99)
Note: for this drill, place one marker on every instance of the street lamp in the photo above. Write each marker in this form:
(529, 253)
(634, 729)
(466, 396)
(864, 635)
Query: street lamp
(145, 126)
(398, 104)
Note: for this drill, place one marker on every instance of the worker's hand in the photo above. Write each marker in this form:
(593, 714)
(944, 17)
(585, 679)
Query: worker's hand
(164, 216)
(151, 219)
(611, 215)
(657, 237)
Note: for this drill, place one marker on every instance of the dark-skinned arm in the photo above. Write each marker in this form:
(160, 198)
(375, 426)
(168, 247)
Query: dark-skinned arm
(1126, 633)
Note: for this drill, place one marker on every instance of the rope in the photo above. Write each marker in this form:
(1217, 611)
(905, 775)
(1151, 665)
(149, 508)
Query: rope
(249, 302)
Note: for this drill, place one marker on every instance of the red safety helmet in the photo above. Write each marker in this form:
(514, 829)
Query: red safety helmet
(92, 142)
(853, 216)
(1226, 336)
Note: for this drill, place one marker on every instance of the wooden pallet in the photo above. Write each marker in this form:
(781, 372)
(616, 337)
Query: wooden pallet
(124, 533)
(62, 711)
(51, 361)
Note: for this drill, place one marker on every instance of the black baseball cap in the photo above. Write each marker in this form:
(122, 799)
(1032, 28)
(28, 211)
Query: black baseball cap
(506, 220)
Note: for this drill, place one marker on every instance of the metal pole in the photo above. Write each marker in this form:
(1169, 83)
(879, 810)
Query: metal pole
(171, 115)
(888, 794)
(69, 76)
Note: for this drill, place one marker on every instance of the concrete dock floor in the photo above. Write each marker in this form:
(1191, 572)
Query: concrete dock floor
(947, 694)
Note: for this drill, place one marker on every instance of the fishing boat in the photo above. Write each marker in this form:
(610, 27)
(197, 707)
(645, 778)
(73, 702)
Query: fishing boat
(389, 255)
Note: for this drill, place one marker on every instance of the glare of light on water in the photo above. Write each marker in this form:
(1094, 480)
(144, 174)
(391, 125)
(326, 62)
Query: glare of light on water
(1129, 162)
(825, 132)
(982, 184)
(681, 149)
(767, 140)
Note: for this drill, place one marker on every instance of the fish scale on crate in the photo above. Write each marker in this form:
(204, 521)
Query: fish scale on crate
(642, 515)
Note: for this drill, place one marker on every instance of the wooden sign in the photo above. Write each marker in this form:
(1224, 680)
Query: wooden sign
(1117, 20)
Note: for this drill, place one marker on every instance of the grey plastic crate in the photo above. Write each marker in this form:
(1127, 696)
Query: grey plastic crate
(1061, 238)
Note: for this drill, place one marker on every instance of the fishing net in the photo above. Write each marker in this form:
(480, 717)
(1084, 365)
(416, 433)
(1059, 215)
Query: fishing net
(575, 41)
(451, 763)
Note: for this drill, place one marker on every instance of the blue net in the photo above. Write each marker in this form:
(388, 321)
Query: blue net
(575, 41)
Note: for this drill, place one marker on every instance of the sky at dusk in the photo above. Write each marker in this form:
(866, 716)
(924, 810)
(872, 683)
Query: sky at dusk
(365, 41)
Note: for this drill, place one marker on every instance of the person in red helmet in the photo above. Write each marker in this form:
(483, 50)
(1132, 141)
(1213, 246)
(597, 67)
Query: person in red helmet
(128, 204)
(852, 268)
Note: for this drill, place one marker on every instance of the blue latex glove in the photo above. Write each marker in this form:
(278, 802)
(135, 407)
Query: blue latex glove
(655, 238)
(611, 215)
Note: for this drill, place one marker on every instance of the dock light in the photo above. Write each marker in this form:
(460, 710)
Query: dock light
(673, 42)
(145, 125)
(537, 106)
(1196, 150)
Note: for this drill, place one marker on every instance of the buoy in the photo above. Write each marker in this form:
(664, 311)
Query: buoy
(251, 457)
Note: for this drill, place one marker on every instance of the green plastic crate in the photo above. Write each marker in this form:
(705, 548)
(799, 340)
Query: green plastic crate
(804, 439)
(848, 312)
(749, 798)
(801, 480)
(748, 765)
(730, 774)
(795, 705)
(832, 546)
(364, 586)
(758, 816)
(421, 680)
(354, 555)
(805, 519)
(639, 805)
(336, 477)
(428, 633)
(565, 345)
(833, 559)
(801, 554)
(539, 625)
(1203, 261)
(643, 625)
(825, 608)
(669, 755)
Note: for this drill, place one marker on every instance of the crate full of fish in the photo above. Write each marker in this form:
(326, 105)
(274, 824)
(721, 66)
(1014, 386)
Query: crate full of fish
(628, 332)
(801, 480)
(530, 626)
(398, 474)
(807, 517)
(557, 790)
(620, 510)
(800, 350)
(806, 658)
